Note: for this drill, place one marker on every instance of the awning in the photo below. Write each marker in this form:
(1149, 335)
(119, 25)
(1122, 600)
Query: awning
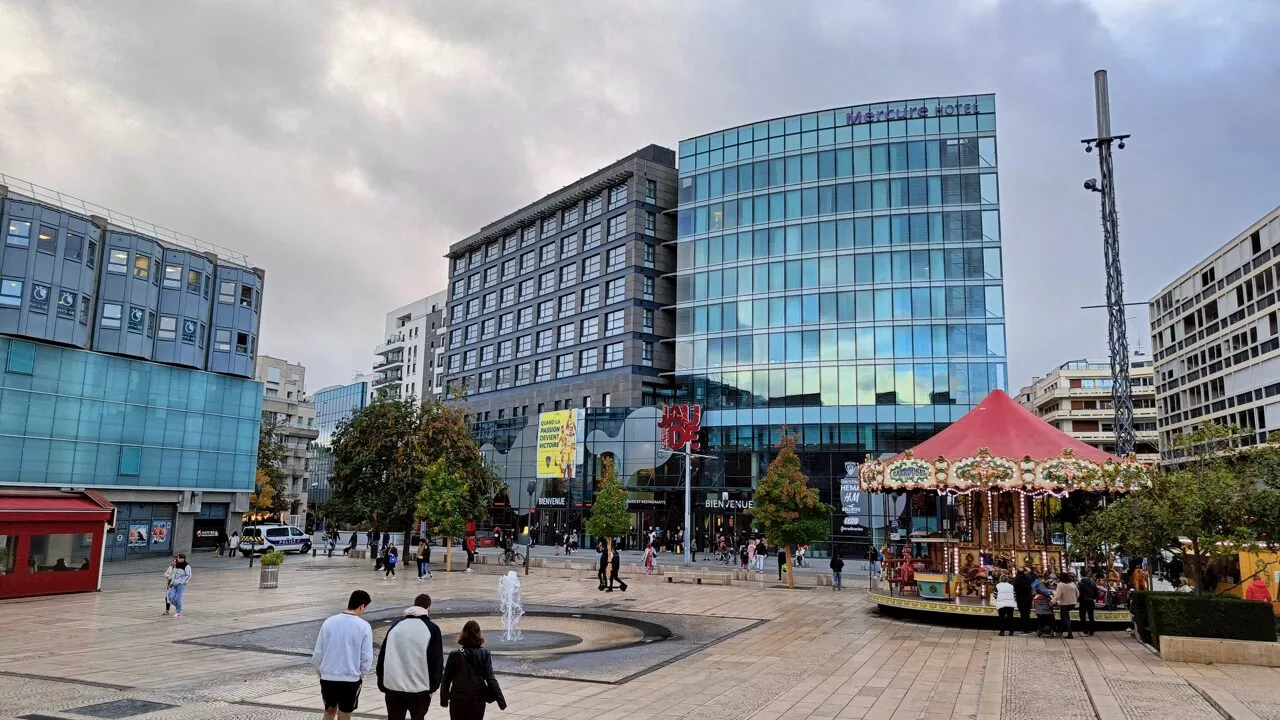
(36, 504)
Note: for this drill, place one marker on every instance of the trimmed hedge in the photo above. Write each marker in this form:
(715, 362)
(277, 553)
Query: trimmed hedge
(1138, 609)
(1206, 616)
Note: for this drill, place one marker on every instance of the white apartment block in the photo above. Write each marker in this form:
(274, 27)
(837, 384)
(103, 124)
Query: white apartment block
(1076, 399)
(284, 387)
(410, 361)
(1214, 340)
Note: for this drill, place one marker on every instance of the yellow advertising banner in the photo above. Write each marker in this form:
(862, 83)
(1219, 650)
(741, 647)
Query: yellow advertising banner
(557, 443)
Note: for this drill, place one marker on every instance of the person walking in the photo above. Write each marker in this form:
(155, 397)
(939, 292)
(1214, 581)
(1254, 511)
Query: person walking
(342, 656)
(615, 562)
(372, 543)
(602, 566)
(1006, 602)
(424, 558)
(751, 555)
(1066, 596)
(837, 567)
(411, 662)
(469, 544)
(178, 583)
(352, 544)
(782, 560)
(168, 583)
(332, 543)
(393, 556)
(762, 551)
(873, 561)
(469, 683)
(233, 544)
(649, 559)
(1088, 601)
(1257, 590)
(1022, 597)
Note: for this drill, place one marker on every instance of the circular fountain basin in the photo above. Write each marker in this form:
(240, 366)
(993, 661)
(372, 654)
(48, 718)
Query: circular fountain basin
(546, 633)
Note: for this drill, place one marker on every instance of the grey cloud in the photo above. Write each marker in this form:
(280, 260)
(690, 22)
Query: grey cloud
(259, 127)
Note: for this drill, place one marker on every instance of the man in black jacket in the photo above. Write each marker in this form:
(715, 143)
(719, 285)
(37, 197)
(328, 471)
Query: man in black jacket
(411, 662)
(1022, 596)
(615, 562)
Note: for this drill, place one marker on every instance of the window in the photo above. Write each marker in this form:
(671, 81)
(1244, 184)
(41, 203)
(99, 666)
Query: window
(473, 283)
(504, 381)
(591, 237)
(546, 282)
(650, 222)
(242, 343)
(490, 275)
(524, 346)
(273, 375)
(509, 242)
(490, 302)
(522, 374)
(473, 333)
(168, 328)
(47, 240)
(11, 293)
(591, 267)
(508, 269)
(546, 311)
(617, 258)
(246, 297)
(615, 291)
(92, 255)
(617, 196)
(118, 261)
(651, 191)
(648, 287)
(112, 313)
(546, 339)
(568, 245)
(193, 280)
(476, 256)
(646, 353)
(526, 288)
(505, 348)
(570, 217)
(172, 276)
(486, 355)
(506, 323)
(491, 250)
(473, 308)
(591, 329)
(568, 304)
(547, 254)
(613, 323)
(19, 233)
(74, 247)
(221, 340)
(84, 309)
(617, 227)
(469, 359)
(226, 290)
(455, 338)
(528, 262)
(591, 298)
(647, 320)
(593, 207)
(564, 335)
(587, 361)
(568, 274)
(457, 289)
(549, 226)
(141, 266)
(612, 357)
(526, 318)
(542, 370)
(455, 363)
(564, 365)
(507, 296)
(488, 327)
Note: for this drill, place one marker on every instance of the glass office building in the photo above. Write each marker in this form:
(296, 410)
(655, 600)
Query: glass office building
(333, 404)
(839, 274)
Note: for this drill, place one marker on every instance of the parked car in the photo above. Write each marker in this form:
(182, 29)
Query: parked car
(258, 539)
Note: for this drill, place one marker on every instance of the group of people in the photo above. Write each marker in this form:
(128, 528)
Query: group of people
(410, 666)
(608, 562)
(387, 556)
(1026, 591)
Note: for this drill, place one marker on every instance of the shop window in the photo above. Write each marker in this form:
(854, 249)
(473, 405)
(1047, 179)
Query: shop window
(8, 553)
(59, 553)
(22, 357)
(130, 460)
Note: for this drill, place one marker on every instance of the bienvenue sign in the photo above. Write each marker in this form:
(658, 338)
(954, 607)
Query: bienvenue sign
(910, 113)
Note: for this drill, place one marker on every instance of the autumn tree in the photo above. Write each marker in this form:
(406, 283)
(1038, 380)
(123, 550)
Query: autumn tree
(786, 509)
(609, 516)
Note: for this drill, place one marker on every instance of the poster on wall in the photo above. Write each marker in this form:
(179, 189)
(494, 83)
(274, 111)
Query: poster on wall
(557, 444)
(160, 532)
(139, 533)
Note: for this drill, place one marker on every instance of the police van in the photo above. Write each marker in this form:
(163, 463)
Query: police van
(258, 539)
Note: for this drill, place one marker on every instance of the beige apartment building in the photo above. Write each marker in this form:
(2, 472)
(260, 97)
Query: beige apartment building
(1076, 398)
(284, 387)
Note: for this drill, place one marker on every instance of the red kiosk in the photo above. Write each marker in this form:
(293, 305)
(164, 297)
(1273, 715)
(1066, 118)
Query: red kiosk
(51, 541)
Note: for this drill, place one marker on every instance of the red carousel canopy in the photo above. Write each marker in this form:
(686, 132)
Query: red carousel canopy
(1000, 445)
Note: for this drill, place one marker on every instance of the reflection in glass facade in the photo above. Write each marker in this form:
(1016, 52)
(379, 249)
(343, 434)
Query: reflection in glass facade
(333, 405)
(839, 274)
(70, 417)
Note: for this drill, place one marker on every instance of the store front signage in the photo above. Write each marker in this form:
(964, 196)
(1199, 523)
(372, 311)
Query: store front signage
(722, 504)
(552, 502)
(910, 113)
(679, 426)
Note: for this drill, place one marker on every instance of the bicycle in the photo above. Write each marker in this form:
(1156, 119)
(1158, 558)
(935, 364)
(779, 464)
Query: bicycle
(724, 557)
(510, 557)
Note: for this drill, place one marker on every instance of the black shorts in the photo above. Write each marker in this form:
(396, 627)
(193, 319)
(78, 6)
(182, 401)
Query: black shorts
(340, 694)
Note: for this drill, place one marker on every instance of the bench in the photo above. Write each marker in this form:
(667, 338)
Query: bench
(698, 578)
(358, 553)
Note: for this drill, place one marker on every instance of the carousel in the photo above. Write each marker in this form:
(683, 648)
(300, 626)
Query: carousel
(991, 493)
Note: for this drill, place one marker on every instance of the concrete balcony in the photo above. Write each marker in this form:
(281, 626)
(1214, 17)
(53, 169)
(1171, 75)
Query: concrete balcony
(392, 343)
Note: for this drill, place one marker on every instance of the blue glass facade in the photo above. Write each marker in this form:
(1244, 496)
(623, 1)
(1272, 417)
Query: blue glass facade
(71, 417)
(333, 405)
(840, 274)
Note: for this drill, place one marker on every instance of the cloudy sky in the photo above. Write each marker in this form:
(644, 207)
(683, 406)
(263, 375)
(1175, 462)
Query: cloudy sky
(344, 146)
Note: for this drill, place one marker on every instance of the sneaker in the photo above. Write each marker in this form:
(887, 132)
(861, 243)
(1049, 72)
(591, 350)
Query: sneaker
(429, 574)
(177, 615)
(470, 570)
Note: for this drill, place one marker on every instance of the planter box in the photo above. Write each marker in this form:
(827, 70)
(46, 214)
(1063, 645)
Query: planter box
(269, 577)
(1213, 650)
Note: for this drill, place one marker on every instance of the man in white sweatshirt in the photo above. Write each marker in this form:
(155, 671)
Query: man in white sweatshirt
(343, 654)
(411, 662)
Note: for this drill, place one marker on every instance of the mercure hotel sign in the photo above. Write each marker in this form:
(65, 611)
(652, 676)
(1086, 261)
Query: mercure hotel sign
(910, 113)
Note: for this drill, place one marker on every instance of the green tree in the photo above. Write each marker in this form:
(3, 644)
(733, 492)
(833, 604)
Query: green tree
(609, 516)
(442, 503)
(271, 494)
(786, 509)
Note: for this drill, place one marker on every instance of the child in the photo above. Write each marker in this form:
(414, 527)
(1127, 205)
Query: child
(390, 562)
(1044, 615)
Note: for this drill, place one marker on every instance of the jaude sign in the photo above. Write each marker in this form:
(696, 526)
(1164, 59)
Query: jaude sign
(910, 113)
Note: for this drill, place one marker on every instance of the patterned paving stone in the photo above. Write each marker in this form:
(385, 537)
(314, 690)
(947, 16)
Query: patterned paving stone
(1043, 683)
(1155, 698)
(1253, 686)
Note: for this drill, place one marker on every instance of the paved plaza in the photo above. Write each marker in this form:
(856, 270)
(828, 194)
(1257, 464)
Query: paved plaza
(765, 653)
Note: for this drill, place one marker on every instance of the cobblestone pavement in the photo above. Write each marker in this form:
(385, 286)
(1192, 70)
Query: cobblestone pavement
(817, 654)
